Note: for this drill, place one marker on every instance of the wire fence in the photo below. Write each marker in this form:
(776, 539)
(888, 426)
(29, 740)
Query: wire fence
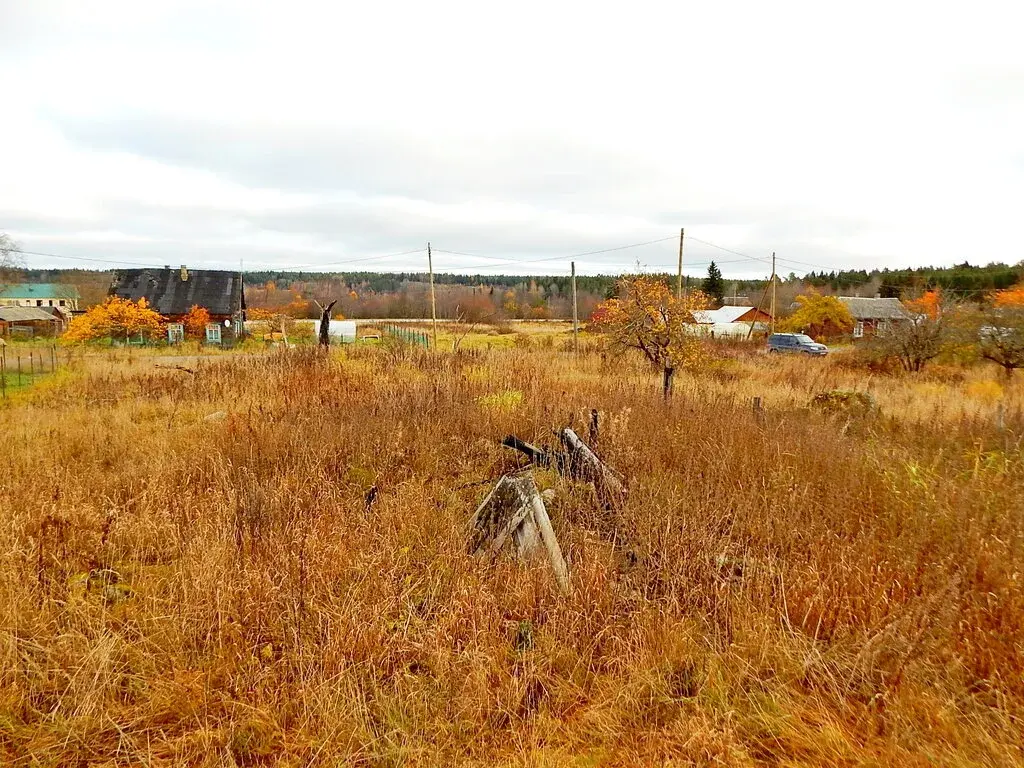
(21, 366)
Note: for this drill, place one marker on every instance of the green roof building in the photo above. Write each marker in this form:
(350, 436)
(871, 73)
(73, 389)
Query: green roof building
(62, 297)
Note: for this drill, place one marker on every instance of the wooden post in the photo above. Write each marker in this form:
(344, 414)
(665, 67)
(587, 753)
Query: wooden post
(753, 320)
(433, 302)
(773, 292)
(325, 323)
(3, 368)
(758, 411)
(575, 317)
(679, 276)
(594, 430)
(19, 369)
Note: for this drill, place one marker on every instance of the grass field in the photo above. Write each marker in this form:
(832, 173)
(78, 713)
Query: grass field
(191, 574)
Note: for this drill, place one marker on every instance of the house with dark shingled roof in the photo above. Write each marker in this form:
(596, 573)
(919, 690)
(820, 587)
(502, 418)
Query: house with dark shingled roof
(173, 293)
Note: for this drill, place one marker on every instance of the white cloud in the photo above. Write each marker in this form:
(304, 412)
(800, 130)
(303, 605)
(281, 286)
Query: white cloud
(882, 134)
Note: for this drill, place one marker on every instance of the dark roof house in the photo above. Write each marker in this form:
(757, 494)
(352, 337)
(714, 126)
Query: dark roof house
(173, 292)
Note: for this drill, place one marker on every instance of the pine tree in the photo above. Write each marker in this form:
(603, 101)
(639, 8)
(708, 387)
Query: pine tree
(714, 286)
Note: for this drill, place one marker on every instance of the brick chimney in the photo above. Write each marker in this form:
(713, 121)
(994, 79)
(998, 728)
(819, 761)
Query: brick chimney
(184, 273)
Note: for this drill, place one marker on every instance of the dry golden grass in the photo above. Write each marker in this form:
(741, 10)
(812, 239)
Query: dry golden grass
(808, 591)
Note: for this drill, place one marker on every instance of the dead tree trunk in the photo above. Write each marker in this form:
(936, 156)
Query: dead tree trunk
(515, 511)
(584, 464)
(325, 323)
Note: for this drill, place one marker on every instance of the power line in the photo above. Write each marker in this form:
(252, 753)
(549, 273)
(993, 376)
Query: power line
(365, 258)
(84, 258)
(729, 250)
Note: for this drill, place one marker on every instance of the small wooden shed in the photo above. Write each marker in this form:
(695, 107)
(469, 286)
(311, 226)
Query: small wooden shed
(28, 322)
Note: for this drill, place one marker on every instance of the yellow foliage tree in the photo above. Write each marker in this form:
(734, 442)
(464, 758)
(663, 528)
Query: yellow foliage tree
(195, 321)
(115, 318)
(821, 317)
(648, 317)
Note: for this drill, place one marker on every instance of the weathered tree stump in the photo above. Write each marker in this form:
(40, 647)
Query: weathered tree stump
(585, 465)
(514, 512)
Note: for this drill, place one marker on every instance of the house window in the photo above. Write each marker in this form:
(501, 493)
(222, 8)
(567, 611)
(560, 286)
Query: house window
(213, 333)
(39, 302)
(882, 326)
(858, 330)
(175, 333)
(62, 302)
(51, 302)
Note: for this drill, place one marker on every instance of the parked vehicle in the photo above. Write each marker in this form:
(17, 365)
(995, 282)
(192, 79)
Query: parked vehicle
(795, 342)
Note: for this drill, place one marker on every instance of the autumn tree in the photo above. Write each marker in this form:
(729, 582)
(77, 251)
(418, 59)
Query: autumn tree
(1000, 330)
(115, 318)
(646, 316)
(195, 322)
(714, 286)
(822, 317)
(923, 336)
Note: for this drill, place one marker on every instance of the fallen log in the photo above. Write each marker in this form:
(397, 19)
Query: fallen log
(175, 368)
(538, 456)
(585, 465)
(514, 510)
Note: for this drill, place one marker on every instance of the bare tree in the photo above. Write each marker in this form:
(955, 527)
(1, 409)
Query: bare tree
(11, 262)
(1001, 337)
(916, 341)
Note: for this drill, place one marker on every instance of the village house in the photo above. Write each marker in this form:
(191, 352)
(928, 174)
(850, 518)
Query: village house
(173, 292)
(872, 316)
(29, 322)
(731, 321)
(63, 299)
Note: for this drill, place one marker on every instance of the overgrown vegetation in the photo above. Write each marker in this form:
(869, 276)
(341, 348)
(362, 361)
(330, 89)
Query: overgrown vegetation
(264, 561)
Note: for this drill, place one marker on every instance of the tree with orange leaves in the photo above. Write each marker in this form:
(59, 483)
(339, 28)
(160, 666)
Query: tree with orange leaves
(929, 304)
(195, 322)
(117, 319)
(1000, 330)
(648, 317)
(1011, 297)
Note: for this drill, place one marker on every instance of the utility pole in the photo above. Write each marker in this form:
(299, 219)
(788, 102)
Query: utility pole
(773, 291)
(575, 317)
(679, 276)
(433, 303)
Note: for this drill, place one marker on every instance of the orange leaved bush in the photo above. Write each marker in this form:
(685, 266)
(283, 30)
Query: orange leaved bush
(1011, 297)
(195, 321)
(115, 318)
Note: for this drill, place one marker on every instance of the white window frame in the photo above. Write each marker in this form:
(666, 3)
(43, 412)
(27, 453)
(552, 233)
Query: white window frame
(858, 330)
(175, 333)
(213, 335)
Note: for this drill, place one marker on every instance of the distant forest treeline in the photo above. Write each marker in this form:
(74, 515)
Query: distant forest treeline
(481, 297)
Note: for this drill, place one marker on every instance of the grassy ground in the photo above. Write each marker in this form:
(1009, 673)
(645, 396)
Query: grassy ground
(806, 590)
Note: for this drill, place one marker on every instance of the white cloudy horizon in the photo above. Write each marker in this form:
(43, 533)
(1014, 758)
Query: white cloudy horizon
(511, 138)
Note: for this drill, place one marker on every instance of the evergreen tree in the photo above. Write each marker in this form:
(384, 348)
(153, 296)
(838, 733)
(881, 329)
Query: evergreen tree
(714, 286)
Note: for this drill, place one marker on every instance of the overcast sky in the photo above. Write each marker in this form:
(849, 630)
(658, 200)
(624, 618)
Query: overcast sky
(331, 134)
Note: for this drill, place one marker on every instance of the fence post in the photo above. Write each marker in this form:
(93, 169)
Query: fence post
(758, 411)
